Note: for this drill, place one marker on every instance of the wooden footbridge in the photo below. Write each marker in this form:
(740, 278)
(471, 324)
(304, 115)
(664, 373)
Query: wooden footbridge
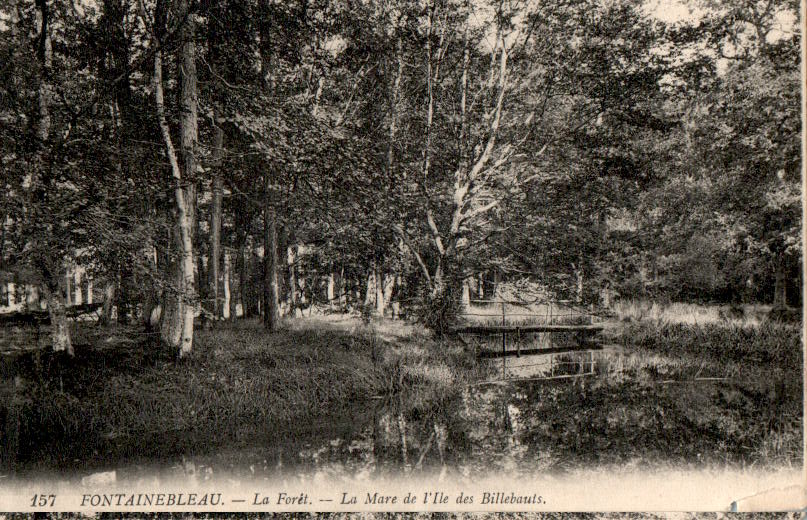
(559, 336)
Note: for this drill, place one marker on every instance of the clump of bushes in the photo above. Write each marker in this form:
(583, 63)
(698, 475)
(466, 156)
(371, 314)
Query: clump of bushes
(439, 311)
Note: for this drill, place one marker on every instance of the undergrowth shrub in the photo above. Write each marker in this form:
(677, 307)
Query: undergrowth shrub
(438, 312)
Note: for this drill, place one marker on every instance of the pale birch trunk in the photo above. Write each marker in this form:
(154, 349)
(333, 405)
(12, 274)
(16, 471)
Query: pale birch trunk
(387, 286)
(380, 303)
(188, 129)
(226, 307)
(59, 324)
(109, 301)
(177, 330)
(466, 293)
(369, 294)
(241, 267)
(291, 259)
(578, 293)
(331, 289)
(396, 305)
(301, 295)
(342, 289)
(77, 299)
(68, 287)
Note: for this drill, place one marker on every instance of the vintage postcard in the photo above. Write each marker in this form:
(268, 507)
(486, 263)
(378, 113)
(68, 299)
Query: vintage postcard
(401, 255)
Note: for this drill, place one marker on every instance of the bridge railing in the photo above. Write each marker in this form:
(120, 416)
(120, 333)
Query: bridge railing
(537, 312)
(506, 328)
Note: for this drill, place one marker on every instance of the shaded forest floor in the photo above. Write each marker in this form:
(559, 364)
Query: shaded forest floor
(339, 396)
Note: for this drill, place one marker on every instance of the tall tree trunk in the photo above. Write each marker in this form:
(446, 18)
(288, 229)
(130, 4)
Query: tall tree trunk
(68, 289)
(214, 46)
(395, 304)
(780, 283)
(331, 288)
(60, 330)
(578, 294)
(291, 256)
(201, 266)
(109, 301)
(188, 131)
(342, 289)
(466, 293)
(243, 282)
(215, 219)
(387, 286)
(78, 297)
(184, 177)
(45, 52)
(380, 303)
(122, 295)
(151, 298)
(271, 303)
(235, 294)
(369, 294)
(59, 325)
(149, 306)
(228, 298)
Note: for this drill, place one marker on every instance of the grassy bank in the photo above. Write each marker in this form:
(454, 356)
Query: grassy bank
(128, 398)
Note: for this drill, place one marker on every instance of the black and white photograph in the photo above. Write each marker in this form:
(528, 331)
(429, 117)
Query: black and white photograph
(350, 255)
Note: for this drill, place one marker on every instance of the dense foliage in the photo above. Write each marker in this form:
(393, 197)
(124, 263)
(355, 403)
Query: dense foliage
(264, 156)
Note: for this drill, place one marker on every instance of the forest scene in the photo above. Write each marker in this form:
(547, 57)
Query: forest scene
(358, 238)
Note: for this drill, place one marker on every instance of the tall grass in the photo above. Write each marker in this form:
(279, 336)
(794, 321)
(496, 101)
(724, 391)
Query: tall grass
(769, 343)
(689, 313)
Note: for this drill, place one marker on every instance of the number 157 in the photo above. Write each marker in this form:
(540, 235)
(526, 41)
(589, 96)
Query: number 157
(43, 500)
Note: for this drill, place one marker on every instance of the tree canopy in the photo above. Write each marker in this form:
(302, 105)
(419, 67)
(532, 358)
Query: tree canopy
(344, 153)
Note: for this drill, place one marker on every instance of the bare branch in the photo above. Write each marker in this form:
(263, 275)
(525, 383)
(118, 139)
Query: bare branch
(435, 232)
(480, 210)
(494, 125)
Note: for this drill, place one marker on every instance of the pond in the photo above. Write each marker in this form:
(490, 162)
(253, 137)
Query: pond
(477, 430)
(558, 415)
